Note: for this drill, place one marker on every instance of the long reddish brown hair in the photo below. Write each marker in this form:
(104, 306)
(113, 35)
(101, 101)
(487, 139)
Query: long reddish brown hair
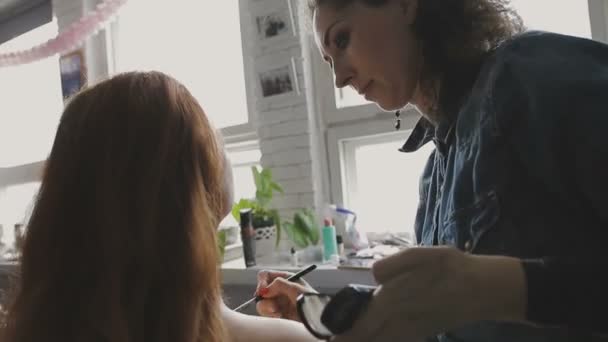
(121, 244)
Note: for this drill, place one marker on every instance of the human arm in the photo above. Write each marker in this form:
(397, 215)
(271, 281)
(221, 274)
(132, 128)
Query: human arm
(555, 122)
(246, 328)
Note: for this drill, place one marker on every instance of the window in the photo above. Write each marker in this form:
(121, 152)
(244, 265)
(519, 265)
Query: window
(242, 159)
(564, 16)
(371, 177)
(16, 203)
(31, 102)
(382, 184)
(197, 42)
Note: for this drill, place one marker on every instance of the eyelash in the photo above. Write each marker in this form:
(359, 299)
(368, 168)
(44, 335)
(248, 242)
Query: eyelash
(341, 40)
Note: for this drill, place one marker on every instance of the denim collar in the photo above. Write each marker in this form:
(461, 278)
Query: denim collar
(425, 131)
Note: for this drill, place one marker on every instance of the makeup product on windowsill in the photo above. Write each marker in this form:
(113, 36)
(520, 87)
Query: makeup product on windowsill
(248, 237)
(340, 242)
(330, 245)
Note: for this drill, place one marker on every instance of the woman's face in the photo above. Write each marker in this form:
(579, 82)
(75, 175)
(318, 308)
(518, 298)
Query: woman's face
(373, 50)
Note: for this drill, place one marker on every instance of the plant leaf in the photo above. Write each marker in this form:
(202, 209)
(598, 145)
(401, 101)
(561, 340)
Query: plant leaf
(288, 226)
(277, 223)
(256, 177)
(241, 204)
(221, 244)
(314, 226)
(300, 239)
(276, 187)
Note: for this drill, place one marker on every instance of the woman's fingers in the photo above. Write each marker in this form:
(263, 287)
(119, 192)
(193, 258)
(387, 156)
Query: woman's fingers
(268, 308)
(265, 277)
(284, 287)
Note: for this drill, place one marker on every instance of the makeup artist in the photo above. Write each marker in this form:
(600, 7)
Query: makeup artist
(513, 214)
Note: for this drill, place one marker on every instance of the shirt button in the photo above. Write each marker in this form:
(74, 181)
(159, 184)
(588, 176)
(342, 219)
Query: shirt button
(468, 245)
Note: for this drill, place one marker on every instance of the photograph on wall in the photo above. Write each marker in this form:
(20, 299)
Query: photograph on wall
(276, 81)
(72, 73)
(274, 25)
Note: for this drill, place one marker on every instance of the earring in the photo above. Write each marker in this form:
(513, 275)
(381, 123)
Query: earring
(397, 120)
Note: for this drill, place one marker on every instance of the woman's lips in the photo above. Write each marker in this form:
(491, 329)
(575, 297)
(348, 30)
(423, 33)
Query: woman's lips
(365, 90)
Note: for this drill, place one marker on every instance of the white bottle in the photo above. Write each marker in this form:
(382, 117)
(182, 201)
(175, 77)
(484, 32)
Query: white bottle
(294, 257)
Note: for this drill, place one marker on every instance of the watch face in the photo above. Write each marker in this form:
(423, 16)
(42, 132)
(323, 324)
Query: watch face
(345, 307)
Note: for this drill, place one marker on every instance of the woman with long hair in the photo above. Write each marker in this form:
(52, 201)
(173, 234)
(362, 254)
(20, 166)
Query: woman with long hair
(121, 243)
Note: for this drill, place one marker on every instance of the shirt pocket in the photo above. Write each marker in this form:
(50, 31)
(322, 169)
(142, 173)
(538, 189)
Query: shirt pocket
(471, 224)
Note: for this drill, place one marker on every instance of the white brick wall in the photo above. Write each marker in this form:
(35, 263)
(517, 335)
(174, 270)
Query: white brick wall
(286, 143)
(284, 126)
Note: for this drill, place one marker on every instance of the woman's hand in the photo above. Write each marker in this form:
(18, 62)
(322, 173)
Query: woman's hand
(429, 290)
(279, 295)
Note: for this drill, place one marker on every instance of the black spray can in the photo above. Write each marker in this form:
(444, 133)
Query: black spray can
(248, 237)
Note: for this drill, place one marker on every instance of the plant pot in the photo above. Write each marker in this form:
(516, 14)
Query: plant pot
(265, 240)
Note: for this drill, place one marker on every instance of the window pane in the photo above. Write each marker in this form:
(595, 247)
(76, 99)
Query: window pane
(197, 42)
(244, 186)
(387, 186)
(16, 203)
(31, 102)
(563, 16)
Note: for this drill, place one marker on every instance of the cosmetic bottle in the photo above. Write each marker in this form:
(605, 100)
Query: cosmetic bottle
(248, 237)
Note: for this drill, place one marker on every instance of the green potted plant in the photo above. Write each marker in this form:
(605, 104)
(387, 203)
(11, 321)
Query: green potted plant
(303, 231)
(266, 221)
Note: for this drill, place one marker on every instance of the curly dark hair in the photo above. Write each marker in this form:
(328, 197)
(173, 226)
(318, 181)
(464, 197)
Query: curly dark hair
(455, 36)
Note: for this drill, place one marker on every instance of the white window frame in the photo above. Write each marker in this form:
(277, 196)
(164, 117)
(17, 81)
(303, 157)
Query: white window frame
(243, 147)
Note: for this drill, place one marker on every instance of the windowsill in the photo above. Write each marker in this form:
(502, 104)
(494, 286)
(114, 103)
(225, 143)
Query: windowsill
(234, 272)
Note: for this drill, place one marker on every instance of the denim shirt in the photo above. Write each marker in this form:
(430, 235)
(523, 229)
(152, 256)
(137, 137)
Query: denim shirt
(522, 170)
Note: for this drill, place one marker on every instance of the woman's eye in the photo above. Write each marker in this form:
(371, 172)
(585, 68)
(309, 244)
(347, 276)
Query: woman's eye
(341, 40)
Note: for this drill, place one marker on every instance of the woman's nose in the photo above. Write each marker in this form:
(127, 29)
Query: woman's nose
(343, 74)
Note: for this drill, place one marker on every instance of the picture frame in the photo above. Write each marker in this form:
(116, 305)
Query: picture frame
(277, 82)
(73, 73)
(274, 24)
